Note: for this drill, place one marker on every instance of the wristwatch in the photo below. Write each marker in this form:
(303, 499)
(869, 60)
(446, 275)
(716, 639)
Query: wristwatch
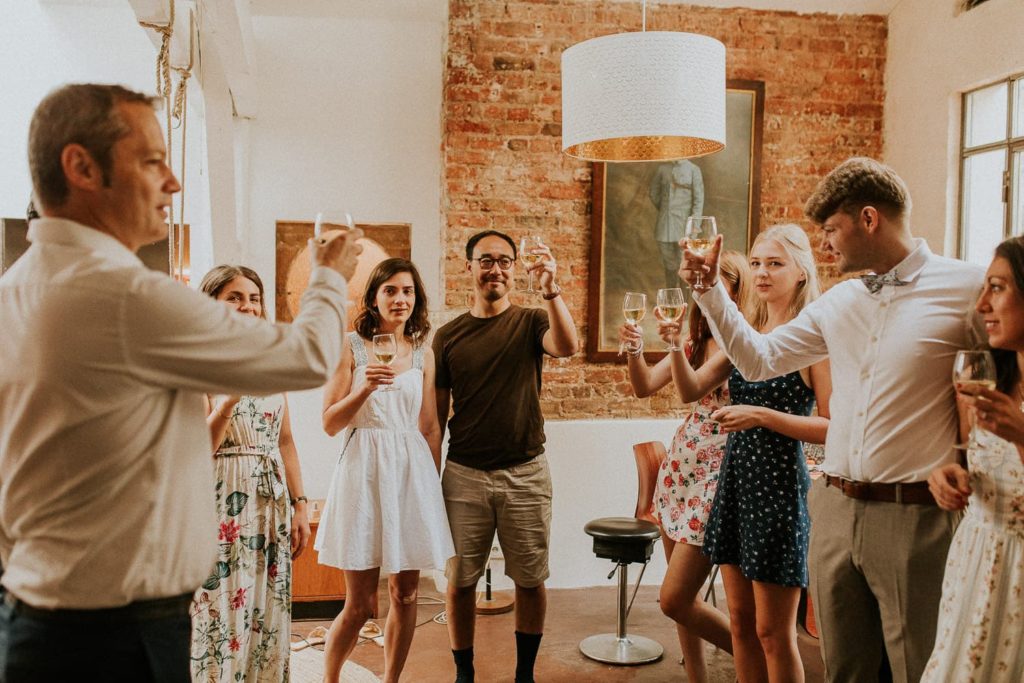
(294, 501)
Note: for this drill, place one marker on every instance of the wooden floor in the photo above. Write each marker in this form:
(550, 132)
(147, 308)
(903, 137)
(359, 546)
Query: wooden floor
(572, 616)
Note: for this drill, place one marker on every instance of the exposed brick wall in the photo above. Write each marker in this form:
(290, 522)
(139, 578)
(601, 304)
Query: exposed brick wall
(503, 166)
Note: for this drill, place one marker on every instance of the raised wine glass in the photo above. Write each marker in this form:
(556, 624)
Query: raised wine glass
(332, 219)
(634, 306)
(670, 307)
(385, 348)
(525, 245)
(700, 235)
(973, 370)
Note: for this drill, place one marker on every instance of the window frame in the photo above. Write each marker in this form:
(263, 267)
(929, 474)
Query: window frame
(1008, 144)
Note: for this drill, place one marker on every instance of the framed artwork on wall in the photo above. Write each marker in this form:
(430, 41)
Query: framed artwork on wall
(640, 211)
(380, 241)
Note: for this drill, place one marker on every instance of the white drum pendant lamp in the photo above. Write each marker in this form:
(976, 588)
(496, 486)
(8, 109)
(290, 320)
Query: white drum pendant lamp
(643, 96)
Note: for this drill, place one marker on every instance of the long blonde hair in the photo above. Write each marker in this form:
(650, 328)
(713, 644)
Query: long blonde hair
(794, 242)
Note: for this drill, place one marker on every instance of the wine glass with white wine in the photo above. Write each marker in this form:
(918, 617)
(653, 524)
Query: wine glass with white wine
(525, 245)
(973, 370)
(700, 235)
(634, 306)
(385, 348)
(669, 307)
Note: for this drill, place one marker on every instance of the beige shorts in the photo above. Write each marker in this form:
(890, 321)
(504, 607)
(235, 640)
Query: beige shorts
(515, 502)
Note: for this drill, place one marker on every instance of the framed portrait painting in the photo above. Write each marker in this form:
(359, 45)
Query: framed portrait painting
(640, 212)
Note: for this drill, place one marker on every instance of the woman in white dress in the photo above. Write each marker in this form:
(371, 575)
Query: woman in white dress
(385, 511)
(981, 617)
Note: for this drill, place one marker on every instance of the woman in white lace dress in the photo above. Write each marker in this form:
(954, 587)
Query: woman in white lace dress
(384, 512)
(241, 616)
(980, 634)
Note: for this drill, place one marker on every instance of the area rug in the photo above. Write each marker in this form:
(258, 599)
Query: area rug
(307, 666)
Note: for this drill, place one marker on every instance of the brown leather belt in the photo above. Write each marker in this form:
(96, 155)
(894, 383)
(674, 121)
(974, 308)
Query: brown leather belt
(915, 493)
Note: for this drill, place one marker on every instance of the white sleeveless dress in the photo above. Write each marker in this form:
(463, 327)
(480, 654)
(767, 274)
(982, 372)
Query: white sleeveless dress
(980, 634)
(385, 507)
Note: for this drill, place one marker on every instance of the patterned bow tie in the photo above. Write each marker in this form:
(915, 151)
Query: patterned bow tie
(874, 283)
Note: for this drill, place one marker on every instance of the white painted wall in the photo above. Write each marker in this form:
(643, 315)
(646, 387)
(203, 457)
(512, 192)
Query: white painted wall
(933, 57)
(49, 44)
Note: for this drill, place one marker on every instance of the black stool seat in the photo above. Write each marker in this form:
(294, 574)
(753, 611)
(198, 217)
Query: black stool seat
(623, 539)
(623, 529)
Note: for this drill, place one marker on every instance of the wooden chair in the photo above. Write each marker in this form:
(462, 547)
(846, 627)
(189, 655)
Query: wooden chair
(649, 455)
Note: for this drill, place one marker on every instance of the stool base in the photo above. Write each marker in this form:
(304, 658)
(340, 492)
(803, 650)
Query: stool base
(610, 649)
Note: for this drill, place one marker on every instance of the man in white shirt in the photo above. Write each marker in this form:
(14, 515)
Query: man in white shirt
(878, 541)
(107, 521)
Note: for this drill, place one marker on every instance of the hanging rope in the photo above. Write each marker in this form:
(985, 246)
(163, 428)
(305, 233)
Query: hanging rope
(163, 57)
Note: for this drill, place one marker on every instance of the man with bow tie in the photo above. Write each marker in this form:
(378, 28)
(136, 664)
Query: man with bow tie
(878, 541)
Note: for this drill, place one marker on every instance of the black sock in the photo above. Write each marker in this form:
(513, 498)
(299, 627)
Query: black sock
(464, 672)
(527, 645)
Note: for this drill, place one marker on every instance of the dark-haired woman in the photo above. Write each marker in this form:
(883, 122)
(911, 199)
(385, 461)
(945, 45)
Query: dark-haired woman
(241, 616)
(385, 512)
(689, 474)
(981, 617)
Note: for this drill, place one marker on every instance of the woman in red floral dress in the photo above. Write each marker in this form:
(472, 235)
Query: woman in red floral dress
(689, 475)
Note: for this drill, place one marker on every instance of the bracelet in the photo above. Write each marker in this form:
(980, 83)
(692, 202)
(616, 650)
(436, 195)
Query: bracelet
(299, 498)
(552, 295)
(639, 350)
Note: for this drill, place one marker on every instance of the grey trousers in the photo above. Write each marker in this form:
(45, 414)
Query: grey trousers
(876, 581)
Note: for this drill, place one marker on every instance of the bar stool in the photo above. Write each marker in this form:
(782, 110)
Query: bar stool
(623, 540)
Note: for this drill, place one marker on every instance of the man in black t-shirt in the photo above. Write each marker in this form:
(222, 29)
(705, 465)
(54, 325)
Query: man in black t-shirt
(496, 479)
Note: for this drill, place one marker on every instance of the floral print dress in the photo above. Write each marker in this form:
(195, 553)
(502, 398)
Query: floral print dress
(241, 616)
(980, 634)
(689, 475)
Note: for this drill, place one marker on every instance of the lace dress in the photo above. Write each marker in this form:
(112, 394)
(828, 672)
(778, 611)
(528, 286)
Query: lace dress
(241, 616)
(980, 634)
(385, 508)
(689, 475)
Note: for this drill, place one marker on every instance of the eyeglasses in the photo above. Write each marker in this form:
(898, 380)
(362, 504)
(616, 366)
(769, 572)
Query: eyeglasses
(486, 262)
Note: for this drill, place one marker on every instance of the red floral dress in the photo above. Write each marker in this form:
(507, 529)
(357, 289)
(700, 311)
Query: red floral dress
(241, 616)
(689, 475)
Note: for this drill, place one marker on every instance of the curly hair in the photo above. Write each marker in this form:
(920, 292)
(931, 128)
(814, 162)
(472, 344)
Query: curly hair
(856, 183)
(219, 277)
(367, 322)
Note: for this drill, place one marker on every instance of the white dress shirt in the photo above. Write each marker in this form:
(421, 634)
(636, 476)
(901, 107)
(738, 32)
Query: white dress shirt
(106, 470)
(893, 409)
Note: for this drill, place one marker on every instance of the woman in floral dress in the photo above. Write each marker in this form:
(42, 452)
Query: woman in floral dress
(689, 475)
(241, 616)
(980, 633)
(384, 512)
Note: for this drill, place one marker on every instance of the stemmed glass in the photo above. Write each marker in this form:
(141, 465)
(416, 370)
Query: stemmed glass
(975, 370)
(385, 348)
(634, 306)
(670, 307)
(700, 235)
(525, 245)
(332, 219)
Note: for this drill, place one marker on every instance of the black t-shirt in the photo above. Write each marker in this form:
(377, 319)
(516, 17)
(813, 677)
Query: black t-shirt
(493, 368)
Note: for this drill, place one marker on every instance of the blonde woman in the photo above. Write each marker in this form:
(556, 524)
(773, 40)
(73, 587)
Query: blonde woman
(758, 530)
(241, 616)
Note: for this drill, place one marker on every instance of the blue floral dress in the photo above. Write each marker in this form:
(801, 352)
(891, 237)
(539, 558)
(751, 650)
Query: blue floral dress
(759, 519)
(241, 616)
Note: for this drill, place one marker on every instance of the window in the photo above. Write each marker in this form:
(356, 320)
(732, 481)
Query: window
(992, 168)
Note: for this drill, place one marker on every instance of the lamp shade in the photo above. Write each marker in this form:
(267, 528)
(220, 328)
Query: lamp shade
(645, 96)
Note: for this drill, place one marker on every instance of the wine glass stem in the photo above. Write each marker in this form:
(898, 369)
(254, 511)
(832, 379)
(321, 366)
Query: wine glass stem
(529, 276)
